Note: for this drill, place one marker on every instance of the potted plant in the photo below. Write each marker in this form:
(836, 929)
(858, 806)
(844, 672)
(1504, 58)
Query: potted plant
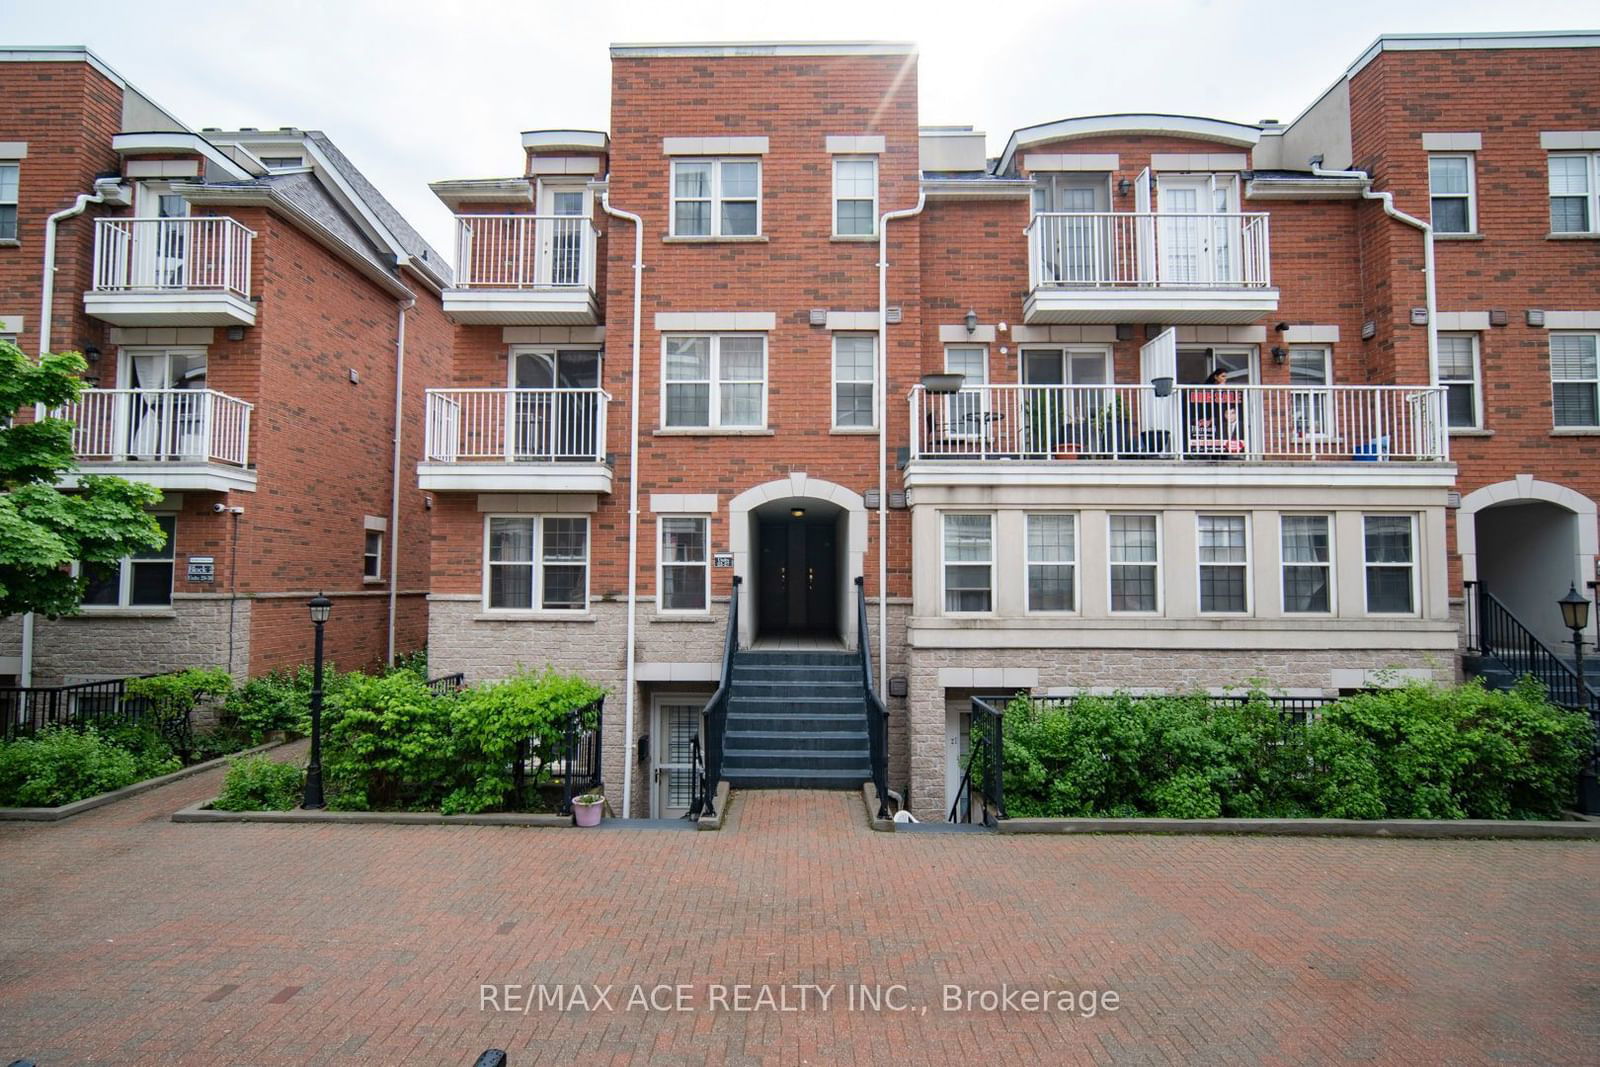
(586, 809)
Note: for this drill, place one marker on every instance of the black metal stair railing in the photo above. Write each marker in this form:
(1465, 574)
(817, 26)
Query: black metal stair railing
(714, 718)
(877, 714)
(982, 788)
(1495, 633)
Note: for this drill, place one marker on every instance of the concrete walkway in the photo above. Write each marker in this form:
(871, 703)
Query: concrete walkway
(125, 938)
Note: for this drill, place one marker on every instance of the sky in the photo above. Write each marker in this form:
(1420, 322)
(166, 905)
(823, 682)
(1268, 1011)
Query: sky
(418, 91)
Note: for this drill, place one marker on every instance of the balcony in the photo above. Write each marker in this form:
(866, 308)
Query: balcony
(516, 440)
(1108, 267)
(1132, 434)
(171, 272)
(523, 270)
(173, 439)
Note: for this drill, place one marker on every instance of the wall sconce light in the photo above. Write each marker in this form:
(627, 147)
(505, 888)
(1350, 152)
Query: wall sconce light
(1001, 326)
(1123, 185)
(91, 354)
(1279, 354)
(798, 513)
(1162, 385)
(972, 322)
(1282, 327)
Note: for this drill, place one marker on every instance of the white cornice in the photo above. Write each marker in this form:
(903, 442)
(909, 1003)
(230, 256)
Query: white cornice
(134, 144)
(1445, 42)
(1217, 130)
(976, 188)
(560, 140)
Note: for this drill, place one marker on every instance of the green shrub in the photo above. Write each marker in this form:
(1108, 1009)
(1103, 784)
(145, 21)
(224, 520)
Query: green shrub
(177, 693)
(1416, 752)
(151, 750)
(257, 783)
(388, 744)
(61, 765)
(488, 721)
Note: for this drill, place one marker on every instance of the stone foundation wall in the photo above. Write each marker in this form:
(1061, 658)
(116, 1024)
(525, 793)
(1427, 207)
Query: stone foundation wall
(91, 646)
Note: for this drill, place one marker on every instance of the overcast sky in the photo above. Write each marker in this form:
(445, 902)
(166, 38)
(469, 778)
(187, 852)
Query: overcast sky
(416, 91)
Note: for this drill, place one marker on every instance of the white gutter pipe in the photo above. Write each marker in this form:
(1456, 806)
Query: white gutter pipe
(1431, 291)
(392, 535)
(633, 504)
(883, 434)
(47, 294)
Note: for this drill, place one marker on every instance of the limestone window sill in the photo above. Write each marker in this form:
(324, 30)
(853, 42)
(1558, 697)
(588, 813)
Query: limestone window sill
(1470, 431)
(854, 431)
(701, 431)
(1572, 236)
(533, 616)
(1576, 431)
(121, 613)
(10, 244)
(854, 238)
(1458, 237)
(373, 581)
(693, 619)
(744, 239)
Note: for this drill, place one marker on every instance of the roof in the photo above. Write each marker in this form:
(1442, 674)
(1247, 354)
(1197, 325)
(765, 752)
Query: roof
(413, 242)
(1241, 134)
(1440, 42)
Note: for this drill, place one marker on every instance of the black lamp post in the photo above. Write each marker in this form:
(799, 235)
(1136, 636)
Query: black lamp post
(321, 607)
(1575, 616)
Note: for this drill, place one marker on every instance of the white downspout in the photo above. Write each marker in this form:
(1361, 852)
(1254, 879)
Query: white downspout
(391, 536)
(1430, 297)
(883, 434)
(633, 503)
(47, 288)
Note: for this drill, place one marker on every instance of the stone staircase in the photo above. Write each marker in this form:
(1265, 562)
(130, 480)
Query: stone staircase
(796, 720)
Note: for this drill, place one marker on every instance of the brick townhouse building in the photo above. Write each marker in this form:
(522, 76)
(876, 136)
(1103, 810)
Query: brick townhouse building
(259, 322)
(1148, 400)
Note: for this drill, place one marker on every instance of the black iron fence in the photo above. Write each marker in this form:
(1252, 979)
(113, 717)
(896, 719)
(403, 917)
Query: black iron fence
(980, 796)
(104, 705)
(877, 714)
(714, 718)
(446, 684)
(1494, 633)
(574, 763)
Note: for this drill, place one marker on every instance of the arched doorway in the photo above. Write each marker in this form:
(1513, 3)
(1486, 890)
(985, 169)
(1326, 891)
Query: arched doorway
(798, 546)
(1527, 541)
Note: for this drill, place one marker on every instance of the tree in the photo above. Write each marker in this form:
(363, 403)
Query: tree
(44, 529)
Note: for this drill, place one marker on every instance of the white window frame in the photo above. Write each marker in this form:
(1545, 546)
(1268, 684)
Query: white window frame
(1029, 563)
(1592, 168)
(1201, 565)
(1284, 564)
(125, 567)
(945, 563)
(1593, 383)
(716, 197)
(1470, 196)
(1415, 566)
(714, 369)
(1476, 381)
(873, 232)
(376, 557)
(14, 202)
(1313, 403)
(871, 382)
(538, 563)
(1112, 564)
(661, 564)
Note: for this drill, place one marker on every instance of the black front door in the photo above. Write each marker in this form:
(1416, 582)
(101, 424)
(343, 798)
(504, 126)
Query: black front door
(797, 584)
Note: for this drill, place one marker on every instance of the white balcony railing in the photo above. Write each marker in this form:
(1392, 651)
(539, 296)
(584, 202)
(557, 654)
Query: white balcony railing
(516, 425)
(1200, 422)
(172, 256)
(524, 252)
(159, 425)
(1148, 250)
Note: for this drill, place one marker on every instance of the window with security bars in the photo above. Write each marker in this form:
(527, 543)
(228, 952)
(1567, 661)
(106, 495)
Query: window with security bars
(685, 575)
(1052, 562)
(1575, 379)
(1135, 563)
(855, 377)
(715, 381)
(1224, 564)
(968, 563)
(538, 563)
(1458, 373)
(1391, 564)
(1306, 548)
(716, 198)
(855, 197)
(1574, 192)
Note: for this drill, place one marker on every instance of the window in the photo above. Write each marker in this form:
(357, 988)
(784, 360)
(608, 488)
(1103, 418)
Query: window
(736, 365)
(1458, 373)
(1224, 564)
(538, 562)
(716, 197)
(136, 581)
(1573, 191)
(968, 563)
(1575, 379)
(855, 375)
(282, 162)
(1135, 563)
(1391, 565)
(1306, 550)
(372, 556)
(1450, 188)
(1309, 373)
(855, 197)
(684, 579)
(1052, 562)
(8, 201)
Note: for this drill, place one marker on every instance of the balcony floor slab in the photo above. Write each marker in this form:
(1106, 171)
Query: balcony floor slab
(514, 477)
(1168, 306)
(195, 477)
(126, 308)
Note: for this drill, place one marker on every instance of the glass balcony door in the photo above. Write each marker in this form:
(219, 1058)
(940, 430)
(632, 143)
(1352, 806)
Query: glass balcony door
(554, 407)
(163, 411)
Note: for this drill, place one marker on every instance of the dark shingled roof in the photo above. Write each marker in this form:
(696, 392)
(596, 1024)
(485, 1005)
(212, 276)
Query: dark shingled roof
(396, 223)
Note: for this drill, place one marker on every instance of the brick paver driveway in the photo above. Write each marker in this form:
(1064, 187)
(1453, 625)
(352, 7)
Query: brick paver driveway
(125, 938)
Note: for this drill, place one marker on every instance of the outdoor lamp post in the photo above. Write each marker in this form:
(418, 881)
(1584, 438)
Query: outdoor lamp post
(1575, 616)
(321, 607)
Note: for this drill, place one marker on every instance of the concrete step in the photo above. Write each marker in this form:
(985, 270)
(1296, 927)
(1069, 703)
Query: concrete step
(795, 740)
(762, 761)
(795, 722)
(849, 689)
(796, 659)
(778, 779)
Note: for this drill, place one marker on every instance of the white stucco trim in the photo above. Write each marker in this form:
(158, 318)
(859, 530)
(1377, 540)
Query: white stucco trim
(797, 485)
(1525, 487)
(683, 503)
(1452, 142)
(1205, 161)
(669, 321)
(1094, 162)
(1569, 140)
(857, 145)
(1311, 335)
(714, 146)
(1572, 320)
(1474, 321)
